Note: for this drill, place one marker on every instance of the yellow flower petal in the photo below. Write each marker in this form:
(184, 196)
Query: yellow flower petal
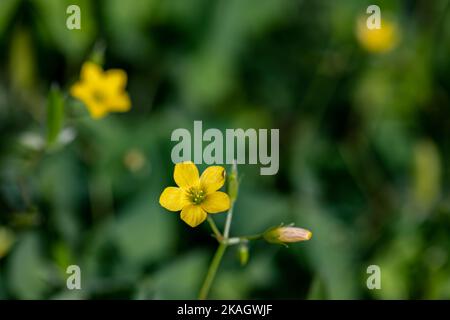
(91, 72)
(102, 92)
(80, 91)
(193, 215)
(121, 103)
(173, 199)
(216, 202)
(186, 174)
(97, 113)
(116, 79)
(84, 92)
(212, 179)
(96, 109)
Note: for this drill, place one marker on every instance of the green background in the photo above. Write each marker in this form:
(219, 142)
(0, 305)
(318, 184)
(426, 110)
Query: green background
(364, 148)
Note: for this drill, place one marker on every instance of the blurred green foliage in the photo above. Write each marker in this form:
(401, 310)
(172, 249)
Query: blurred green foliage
(364, 148)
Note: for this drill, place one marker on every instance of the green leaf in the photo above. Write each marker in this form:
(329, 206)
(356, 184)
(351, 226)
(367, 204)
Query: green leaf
(27, 271)
(7, 9)
(73, 43)
(144, 230)
(269, 207)
(317, 290)
(232, 283)
(182, 278)
(331, 251)
(22, 63)
(55, 114)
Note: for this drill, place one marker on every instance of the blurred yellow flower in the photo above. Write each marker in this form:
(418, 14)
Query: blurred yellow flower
(196, 196)
(377, 40)
(102, 91)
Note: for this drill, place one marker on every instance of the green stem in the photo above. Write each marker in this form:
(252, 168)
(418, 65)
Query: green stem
(238, 240)
(226, 232)
(218, 256)
(252, 237)
(212, 271)
(220, 250)
(215, 229)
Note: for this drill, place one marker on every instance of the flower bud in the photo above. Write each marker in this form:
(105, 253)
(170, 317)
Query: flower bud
(288, 234)
(233, 183)
(243, 254)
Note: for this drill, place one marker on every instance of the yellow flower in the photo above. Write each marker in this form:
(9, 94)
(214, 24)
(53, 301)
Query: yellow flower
(196, 196)
(102, 91)
(377, 40)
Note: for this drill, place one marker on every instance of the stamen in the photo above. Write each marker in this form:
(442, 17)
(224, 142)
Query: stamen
(98, 96)
(196, 195)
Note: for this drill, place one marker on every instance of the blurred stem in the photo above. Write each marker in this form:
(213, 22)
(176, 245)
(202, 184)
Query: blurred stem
(252, 237)
(214, 228)
(226, 232)
(238, 240)
(233, 186)
(212, 271)
(223, 243)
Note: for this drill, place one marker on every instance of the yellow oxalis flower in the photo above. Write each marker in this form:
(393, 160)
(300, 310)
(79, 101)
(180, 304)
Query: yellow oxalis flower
(378, 40)
(196, 196)
(102, 91)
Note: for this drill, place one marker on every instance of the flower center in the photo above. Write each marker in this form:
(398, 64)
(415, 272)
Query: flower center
(196, 195)
(98, 96)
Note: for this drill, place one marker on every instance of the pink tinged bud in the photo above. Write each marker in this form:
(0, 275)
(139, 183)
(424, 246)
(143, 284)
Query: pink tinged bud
(293, 234)
(289, 234)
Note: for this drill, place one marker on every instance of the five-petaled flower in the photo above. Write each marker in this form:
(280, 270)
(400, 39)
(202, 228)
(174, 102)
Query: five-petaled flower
(196, 196)
(378, 40)
(102, 91)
